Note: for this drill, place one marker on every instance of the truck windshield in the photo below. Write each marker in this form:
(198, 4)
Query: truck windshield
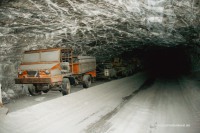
(46, 56)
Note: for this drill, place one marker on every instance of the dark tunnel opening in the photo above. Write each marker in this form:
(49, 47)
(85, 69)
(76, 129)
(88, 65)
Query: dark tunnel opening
(167, 62)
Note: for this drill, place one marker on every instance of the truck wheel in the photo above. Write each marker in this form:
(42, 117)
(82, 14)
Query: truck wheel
(33, 90)
(87, 81)
(115, 76)
(66, 87)
(45, 91)
(93, 79)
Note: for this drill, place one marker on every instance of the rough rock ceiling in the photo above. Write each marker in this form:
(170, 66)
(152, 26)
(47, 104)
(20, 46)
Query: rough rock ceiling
(95, 25)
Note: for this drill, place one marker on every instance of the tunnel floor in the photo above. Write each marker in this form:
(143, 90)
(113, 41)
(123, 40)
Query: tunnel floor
(27, 100)
(160, 106)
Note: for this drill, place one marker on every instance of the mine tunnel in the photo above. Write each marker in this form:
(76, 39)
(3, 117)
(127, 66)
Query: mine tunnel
(109, 66)
(173, 61)
(163, 62)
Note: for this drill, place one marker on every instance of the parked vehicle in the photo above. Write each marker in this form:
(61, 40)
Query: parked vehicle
(55, 69)
(106, 71)
(123, 68)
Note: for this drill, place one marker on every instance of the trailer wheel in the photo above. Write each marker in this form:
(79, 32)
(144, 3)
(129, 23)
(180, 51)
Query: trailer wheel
(33, 90)
(66, 87)
(87, 81)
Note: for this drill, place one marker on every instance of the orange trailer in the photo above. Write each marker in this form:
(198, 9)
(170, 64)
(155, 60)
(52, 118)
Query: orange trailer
(55, 68)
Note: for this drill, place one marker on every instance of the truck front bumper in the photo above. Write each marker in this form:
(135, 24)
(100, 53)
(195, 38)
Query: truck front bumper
(32, 80)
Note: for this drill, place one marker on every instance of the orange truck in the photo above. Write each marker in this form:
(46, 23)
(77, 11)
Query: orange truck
(55, 69)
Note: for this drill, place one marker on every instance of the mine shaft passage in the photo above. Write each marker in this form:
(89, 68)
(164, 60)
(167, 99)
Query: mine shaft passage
(161, 61)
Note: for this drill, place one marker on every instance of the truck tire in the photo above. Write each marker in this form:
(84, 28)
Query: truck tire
(33, 90)
(93, 79)
(45, 91)
(87, 80)
(66, 87)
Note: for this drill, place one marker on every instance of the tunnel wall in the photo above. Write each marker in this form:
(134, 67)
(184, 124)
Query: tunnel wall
(195, 61)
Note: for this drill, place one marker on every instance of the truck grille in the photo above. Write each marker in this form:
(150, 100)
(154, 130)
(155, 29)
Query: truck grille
(32, 73)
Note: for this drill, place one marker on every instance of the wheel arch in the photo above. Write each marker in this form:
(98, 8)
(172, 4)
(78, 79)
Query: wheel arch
(71, 79)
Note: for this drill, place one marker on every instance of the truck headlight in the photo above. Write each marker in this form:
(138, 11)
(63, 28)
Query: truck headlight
(20, 72)
(47, 71)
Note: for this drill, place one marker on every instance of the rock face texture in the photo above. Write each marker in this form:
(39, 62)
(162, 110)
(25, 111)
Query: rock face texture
(100, 28)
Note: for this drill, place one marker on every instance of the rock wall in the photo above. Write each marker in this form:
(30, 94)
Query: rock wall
(195, 59)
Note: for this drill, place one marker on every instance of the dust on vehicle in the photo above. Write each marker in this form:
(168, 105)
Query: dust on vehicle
(55, 69)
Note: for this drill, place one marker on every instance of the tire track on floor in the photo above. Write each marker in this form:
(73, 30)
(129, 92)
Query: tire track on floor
(100, 125)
